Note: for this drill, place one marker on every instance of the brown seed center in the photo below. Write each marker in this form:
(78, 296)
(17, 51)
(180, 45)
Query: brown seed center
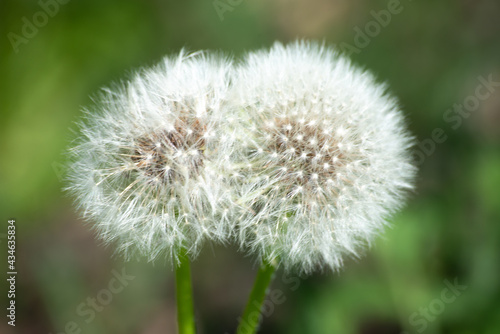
(306, 154)
(171, 155)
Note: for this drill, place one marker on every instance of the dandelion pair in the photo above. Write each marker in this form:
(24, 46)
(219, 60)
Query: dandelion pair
(294, 154)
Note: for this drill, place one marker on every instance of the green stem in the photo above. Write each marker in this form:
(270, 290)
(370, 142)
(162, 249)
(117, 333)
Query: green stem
(249, 322)
(185, 313)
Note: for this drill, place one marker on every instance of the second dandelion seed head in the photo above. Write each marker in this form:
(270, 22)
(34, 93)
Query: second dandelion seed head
(327, 157)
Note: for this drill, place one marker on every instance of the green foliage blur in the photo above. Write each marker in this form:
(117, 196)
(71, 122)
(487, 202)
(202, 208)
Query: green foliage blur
(436, 270)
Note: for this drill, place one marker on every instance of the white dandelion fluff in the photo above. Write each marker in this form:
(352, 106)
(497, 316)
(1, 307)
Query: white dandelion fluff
(147, 170)
(324, 156)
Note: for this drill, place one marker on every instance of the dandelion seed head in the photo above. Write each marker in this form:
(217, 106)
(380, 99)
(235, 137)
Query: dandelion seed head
(330, 149)
(147, 170)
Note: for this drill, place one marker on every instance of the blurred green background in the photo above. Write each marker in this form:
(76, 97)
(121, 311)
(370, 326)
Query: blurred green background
(431, 53)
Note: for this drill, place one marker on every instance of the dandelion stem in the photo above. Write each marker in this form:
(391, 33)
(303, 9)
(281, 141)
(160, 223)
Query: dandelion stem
(249, 322)
(185, 313)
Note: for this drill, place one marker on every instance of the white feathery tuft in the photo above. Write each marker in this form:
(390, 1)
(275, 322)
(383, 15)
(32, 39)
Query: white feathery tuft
(148, 168)
(324, 156)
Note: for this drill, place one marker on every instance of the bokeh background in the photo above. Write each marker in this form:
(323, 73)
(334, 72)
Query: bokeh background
(431, 53)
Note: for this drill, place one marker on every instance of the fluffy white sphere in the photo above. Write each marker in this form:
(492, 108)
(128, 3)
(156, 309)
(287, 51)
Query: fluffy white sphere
(147, 170)
(325, 156)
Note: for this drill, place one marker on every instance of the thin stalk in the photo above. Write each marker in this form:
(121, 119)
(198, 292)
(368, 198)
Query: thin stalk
(249, 322)
(185, 310)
